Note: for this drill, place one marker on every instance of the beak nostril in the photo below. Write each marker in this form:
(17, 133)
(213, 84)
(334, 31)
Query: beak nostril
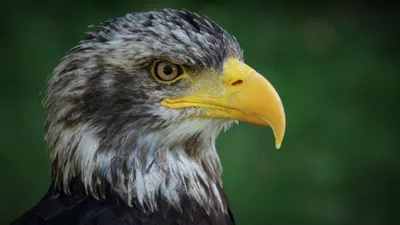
(238, 82)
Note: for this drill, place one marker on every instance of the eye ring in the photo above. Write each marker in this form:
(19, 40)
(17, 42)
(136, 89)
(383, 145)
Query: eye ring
(167, 71)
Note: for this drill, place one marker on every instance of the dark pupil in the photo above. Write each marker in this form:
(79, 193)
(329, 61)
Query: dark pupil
(168, 70)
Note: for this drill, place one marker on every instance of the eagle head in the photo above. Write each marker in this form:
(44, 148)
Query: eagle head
(136, 106)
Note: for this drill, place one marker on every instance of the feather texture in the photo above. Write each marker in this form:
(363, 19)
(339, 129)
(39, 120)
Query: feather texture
(120, 157)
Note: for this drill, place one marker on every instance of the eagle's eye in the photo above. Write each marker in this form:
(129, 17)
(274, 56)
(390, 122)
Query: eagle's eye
(167, 71)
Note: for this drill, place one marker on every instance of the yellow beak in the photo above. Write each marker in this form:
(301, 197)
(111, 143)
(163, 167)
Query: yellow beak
(247, 96)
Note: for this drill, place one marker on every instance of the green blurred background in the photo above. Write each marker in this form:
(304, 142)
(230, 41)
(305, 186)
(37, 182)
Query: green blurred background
(335, 65)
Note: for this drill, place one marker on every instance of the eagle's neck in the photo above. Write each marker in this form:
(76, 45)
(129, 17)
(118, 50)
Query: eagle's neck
(139, 168)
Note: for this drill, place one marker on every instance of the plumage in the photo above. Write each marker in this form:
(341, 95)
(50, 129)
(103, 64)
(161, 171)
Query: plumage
(126, 145)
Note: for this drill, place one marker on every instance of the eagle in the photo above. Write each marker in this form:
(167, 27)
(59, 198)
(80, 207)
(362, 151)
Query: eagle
(132, 116)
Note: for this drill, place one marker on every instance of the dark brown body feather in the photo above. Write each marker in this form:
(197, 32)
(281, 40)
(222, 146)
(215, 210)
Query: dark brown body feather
(77, 209)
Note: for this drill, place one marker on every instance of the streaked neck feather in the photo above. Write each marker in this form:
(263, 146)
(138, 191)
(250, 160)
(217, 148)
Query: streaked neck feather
(143, 168)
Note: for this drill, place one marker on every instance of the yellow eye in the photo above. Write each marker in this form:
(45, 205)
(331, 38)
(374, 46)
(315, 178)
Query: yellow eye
(167, 71)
